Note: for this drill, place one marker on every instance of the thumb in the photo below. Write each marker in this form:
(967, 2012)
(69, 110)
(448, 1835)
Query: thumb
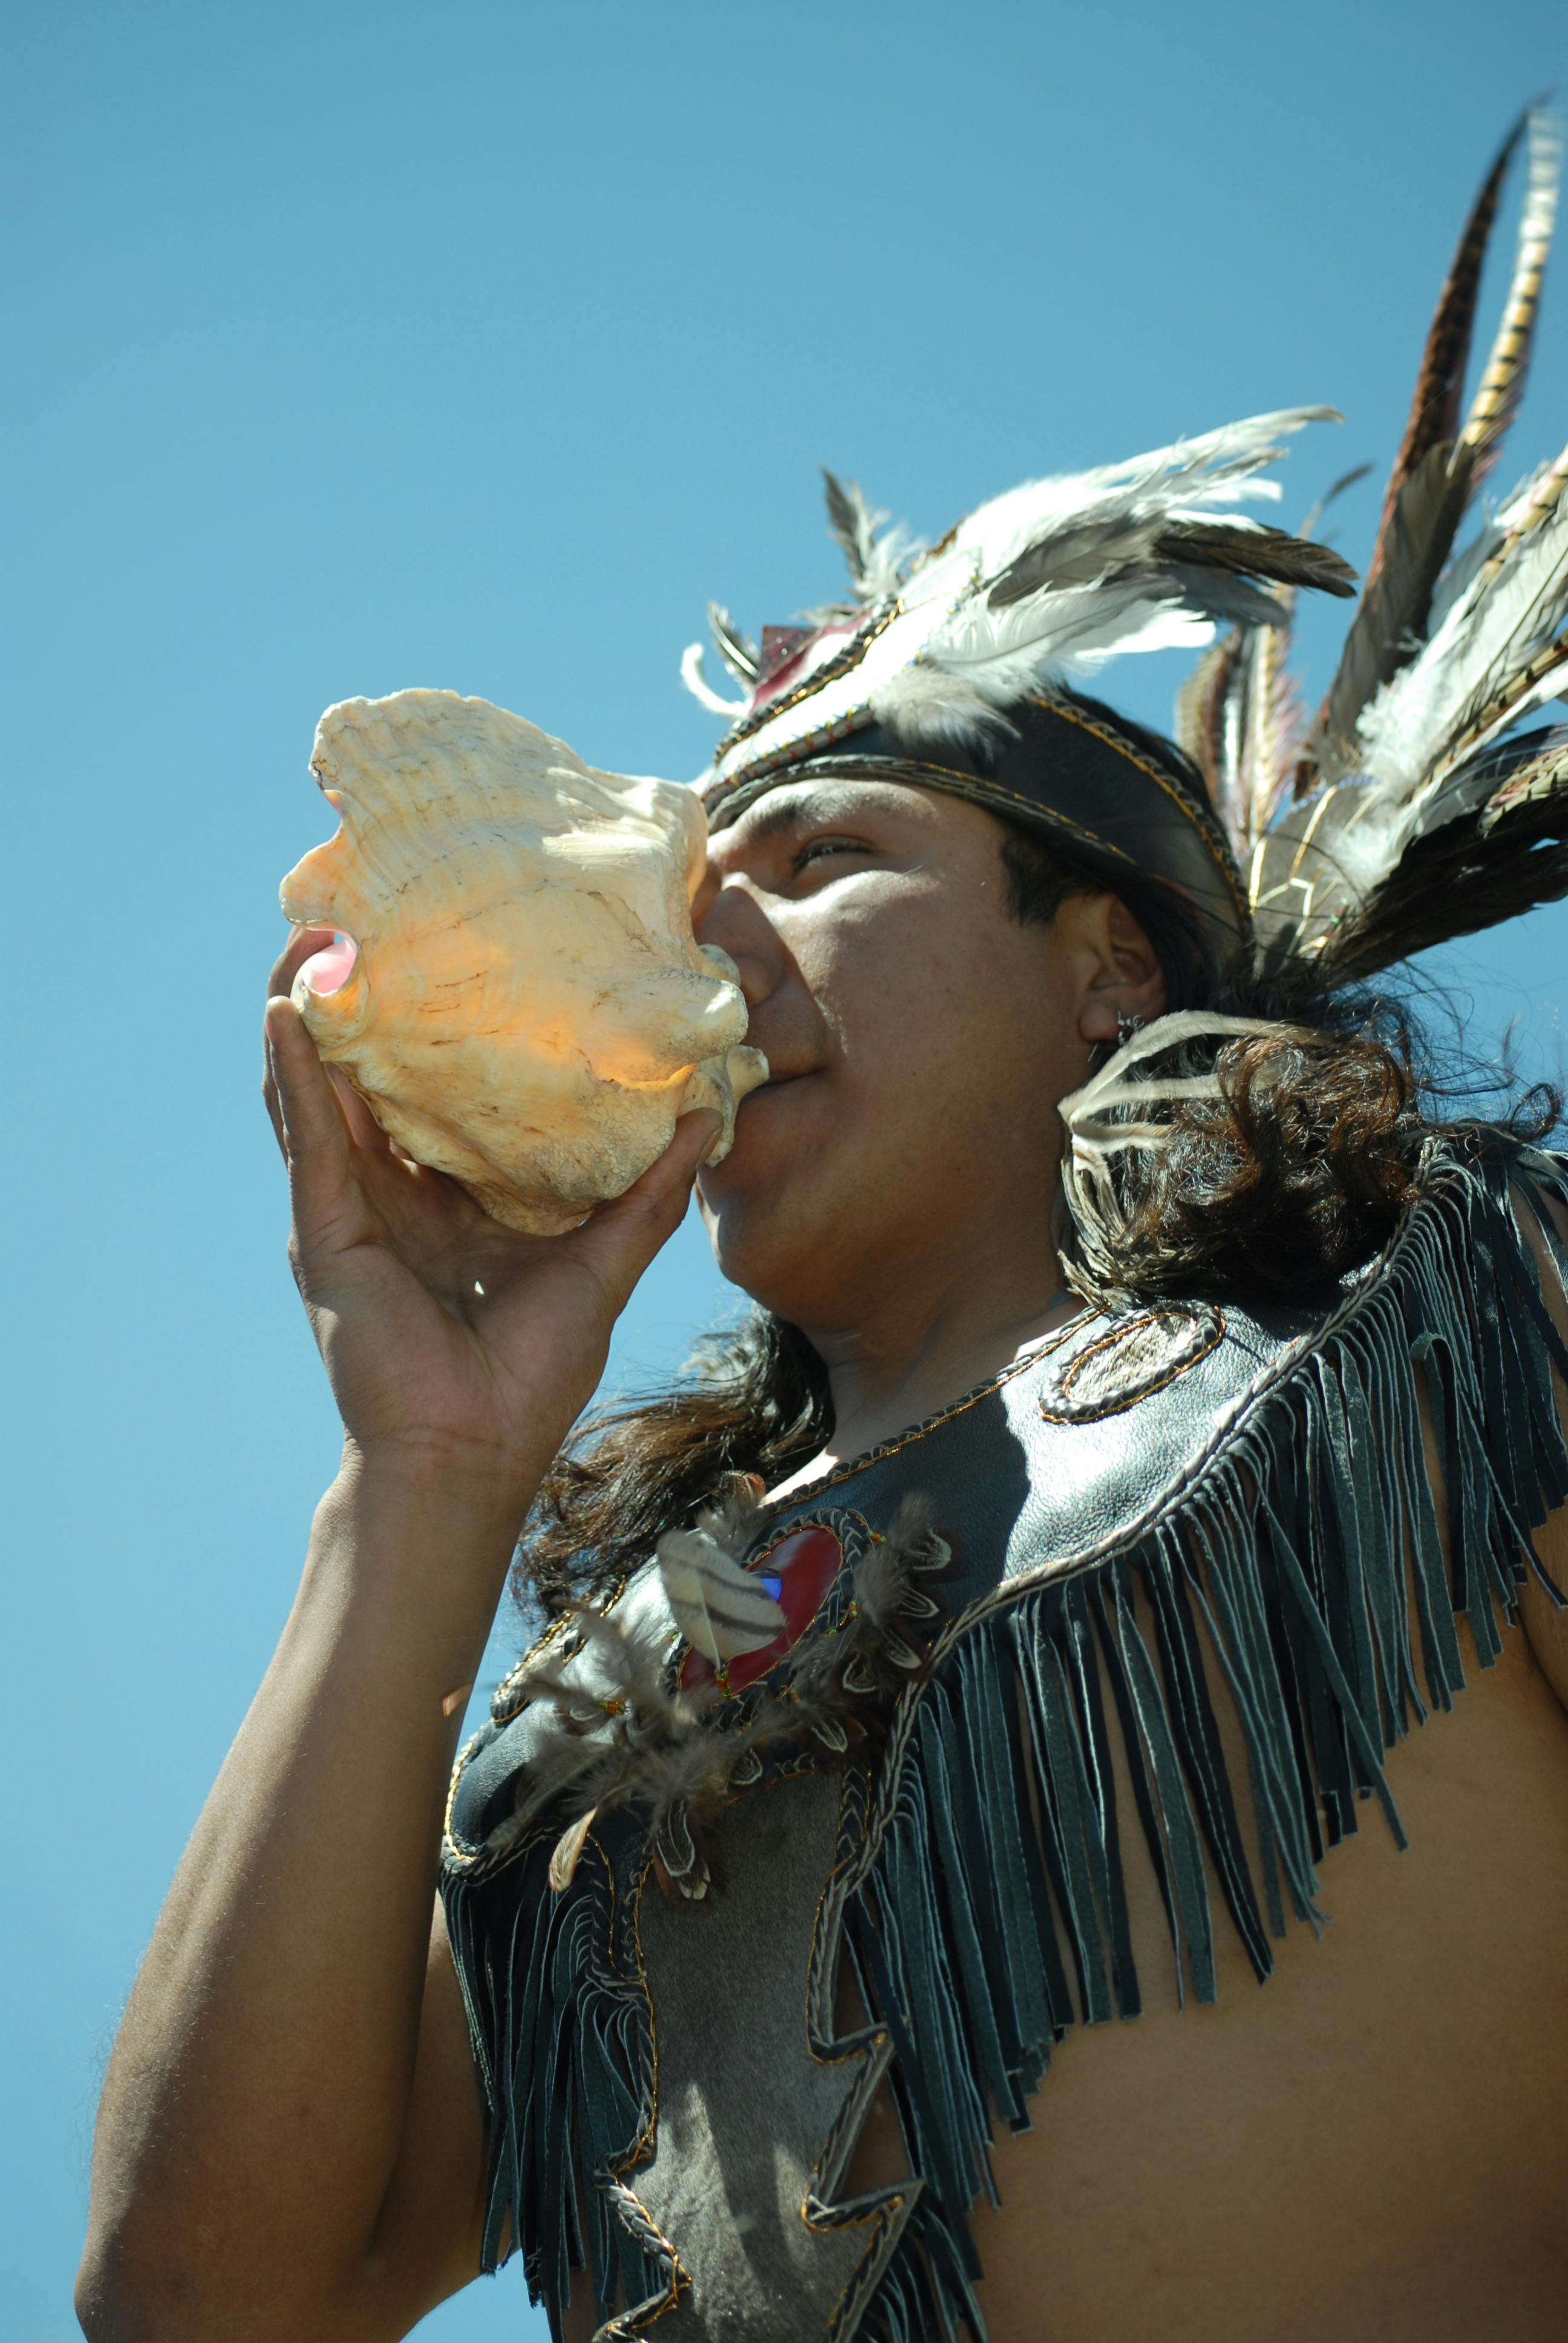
(619, 1239)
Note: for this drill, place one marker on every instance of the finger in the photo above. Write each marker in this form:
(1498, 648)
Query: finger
(271, 1098)
(363, 1129)
(315, 1136)
(302, 943)
(622, 1238)
(426, 1209)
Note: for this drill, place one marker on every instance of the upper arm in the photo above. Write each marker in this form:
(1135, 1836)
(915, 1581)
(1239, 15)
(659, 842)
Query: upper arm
(429, 2236)
(1546, 1624)
(431, 2230)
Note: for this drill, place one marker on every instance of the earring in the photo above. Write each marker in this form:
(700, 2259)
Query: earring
(1103, 1051)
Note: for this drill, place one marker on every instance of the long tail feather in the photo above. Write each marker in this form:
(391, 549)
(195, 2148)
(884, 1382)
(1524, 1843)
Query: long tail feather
(1434, 412)
(1392, 611)
(1200, 725)
(1492, 841)
(1527, 511)
(1501, 385)
(1433, 474)
(1239, 719)
(1492, 659)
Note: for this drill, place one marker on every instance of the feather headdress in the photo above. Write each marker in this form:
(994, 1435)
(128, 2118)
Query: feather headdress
(1399, 814)
(1045, 583)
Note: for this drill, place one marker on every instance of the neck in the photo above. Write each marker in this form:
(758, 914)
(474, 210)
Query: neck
(928, 1339)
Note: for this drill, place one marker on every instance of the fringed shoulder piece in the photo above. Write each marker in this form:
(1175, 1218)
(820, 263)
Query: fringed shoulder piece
(1286, 1560)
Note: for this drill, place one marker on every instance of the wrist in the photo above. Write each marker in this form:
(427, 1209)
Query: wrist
(469, 1480)
(464, 1500)
(410, 1561)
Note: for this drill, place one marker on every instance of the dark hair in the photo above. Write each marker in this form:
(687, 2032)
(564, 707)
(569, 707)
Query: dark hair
(1297, 1174)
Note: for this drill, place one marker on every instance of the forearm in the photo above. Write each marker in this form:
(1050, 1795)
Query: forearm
(289, 2140)
(257, 2097)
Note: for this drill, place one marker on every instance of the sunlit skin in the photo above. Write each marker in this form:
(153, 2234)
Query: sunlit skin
(1374, 2150)
(892, 1191)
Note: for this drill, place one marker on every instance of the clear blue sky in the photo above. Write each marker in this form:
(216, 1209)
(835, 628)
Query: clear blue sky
(355, 345)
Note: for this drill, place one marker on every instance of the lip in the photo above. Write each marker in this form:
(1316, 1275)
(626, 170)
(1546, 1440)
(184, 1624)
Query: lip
(771, 1088)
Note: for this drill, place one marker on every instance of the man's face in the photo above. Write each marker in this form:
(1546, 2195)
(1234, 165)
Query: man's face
(919, 1037)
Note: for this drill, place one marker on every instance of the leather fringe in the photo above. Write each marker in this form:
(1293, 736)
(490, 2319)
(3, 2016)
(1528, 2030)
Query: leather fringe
(1300, 1578)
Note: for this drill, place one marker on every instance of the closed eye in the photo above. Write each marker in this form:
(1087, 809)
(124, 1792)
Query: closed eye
(818, 850)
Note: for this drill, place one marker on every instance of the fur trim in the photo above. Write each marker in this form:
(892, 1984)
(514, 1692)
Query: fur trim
(924, 708)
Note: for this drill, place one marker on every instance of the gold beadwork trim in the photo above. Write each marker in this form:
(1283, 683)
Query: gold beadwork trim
(1190, 812)
(454, 1852)
(843, 662)
(1209, 1343)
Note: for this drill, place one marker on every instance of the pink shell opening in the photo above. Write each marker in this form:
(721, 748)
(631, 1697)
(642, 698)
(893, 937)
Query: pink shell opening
(329, 971)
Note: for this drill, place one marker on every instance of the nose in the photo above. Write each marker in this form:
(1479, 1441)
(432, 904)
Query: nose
(727, 914)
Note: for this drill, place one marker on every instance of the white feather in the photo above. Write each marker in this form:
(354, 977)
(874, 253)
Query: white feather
(720, 1608)
(1488, 636)
(991, 655)
(945, 657)
(1185, 481)
(1489, 539)
(696, 683)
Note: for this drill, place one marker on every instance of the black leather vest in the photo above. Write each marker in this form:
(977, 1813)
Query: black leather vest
(673, 2109)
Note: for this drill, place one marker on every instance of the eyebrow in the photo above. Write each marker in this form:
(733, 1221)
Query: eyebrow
(783, 810)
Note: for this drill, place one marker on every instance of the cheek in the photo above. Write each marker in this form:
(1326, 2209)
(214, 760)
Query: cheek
(922, 986)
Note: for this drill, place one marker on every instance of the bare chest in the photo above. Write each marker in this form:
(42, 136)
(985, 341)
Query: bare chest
(1371, 2146)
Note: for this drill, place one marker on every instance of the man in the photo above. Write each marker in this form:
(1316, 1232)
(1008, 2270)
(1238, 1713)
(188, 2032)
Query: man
(1081, 1537)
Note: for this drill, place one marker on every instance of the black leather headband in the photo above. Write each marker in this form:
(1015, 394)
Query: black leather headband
(1070, 769)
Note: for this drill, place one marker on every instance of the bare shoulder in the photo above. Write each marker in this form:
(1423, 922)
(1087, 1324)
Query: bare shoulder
(1546, 1624)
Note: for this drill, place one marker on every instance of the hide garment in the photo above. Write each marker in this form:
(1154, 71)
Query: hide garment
(1153, 1517)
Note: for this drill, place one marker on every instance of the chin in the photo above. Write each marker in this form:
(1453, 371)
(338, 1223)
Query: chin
(793, 1195)
(773, 1238)
(781, 1126)
(758, 1240)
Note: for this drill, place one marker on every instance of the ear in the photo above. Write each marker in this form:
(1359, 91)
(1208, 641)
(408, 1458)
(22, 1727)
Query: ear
(1114, 963)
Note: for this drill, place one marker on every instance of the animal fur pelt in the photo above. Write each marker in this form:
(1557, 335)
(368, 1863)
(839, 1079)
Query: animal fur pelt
(622, 1732)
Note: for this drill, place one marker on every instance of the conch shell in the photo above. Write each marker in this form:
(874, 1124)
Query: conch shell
(527, 1007)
